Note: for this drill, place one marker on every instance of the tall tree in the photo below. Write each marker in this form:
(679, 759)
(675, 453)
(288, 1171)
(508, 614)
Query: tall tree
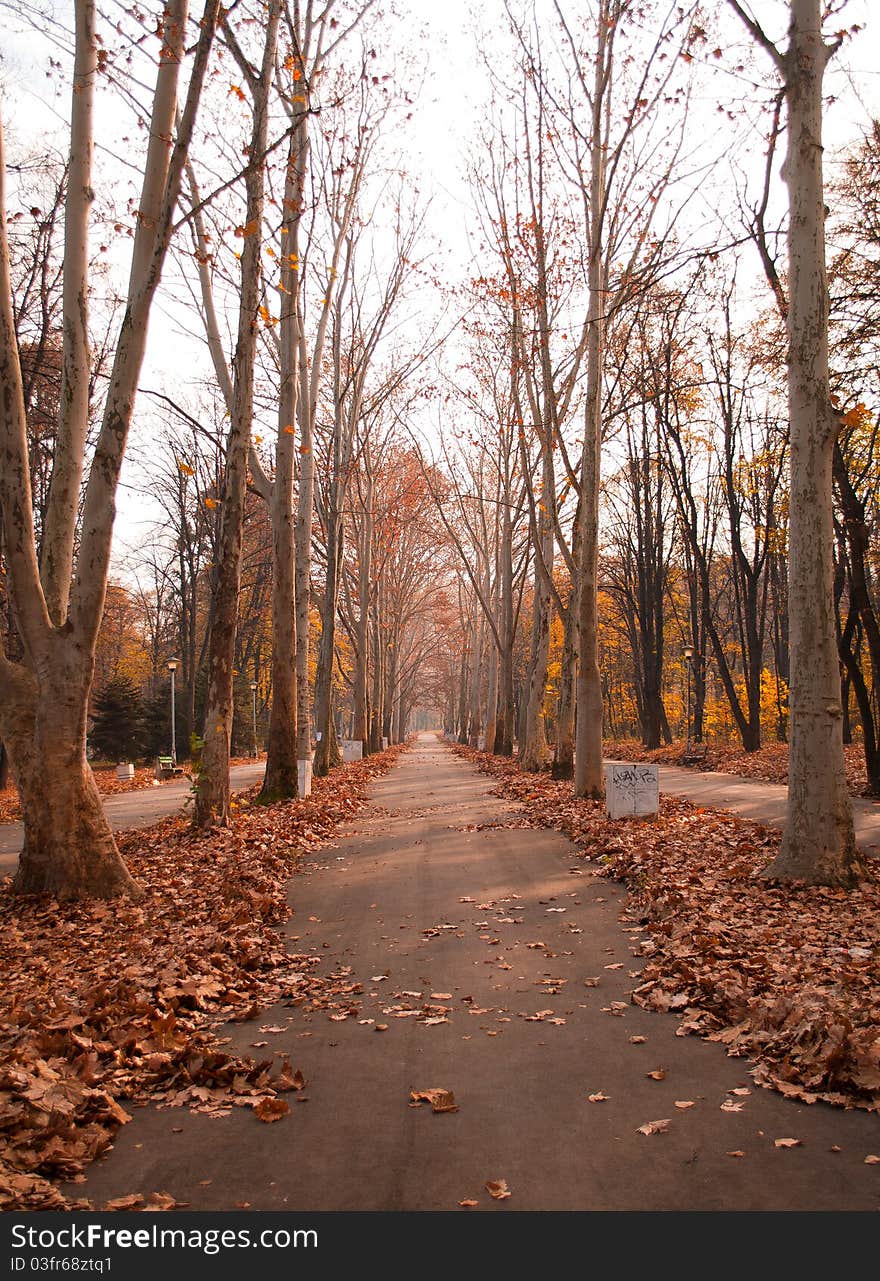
(818, 843)
(68, 847)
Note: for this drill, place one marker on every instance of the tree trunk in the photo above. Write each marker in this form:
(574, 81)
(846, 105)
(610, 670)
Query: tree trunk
(588, 779)
(69, 850)
(563, 757)
(818, 843)
(212, 793)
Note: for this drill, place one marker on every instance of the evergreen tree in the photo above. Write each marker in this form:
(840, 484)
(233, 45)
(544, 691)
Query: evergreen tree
(118, 730)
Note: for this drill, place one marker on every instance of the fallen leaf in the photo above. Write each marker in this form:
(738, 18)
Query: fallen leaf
(654, 1127)
(736, 1152)
(271, 1109)
(592, 982)
(637, 1040)
(440, 1100)
(872, 1160)
(160, 1201)
(467, 1203)
(740, 1089)
(731, 1105)
(684, 1103)
(381, 1027)
(787, 1143)
(599, 1097)
(441, 996)
(497, 1189)
(659, 1074)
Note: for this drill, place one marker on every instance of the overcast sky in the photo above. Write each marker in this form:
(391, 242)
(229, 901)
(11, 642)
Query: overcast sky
(454, 48)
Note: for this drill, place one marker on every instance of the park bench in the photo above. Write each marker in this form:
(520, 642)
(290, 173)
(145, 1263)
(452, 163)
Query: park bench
(696, 754)
(165, 767)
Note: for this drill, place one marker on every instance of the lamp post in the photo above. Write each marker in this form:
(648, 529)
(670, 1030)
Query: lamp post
(688, 658)
(172, 667)
(254, 699)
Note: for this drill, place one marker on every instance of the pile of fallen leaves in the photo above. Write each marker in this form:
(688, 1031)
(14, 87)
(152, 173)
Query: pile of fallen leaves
(769, 763)
(788, 975)
(104, 1003)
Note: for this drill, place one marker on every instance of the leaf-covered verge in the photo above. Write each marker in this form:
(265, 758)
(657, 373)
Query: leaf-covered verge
(787, 975)
(769, 763)
(109, 1003)
(107, 783)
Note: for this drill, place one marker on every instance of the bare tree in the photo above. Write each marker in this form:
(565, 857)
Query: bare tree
(68, 848)
(818, 843)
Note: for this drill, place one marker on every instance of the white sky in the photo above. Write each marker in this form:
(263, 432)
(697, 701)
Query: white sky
(450, 106)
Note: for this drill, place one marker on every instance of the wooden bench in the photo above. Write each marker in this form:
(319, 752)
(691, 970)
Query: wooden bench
(696, 754)
(165, 767)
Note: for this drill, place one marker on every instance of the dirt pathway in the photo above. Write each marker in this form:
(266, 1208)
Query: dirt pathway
(501, 969)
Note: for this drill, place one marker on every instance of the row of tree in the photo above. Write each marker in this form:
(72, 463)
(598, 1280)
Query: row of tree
(313, 535)
(307, 544)
(731, 522)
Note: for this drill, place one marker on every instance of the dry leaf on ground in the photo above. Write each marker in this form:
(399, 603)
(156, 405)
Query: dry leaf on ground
(440, 1100)
(654, 1127)
(497, 1189)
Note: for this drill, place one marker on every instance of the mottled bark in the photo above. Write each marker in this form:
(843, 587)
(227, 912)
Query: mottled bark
(818, 843)
(212, 791)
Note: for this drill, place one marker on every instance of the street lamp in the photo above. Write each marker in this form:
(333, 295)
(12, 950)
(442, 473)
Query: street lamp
(172, 667)
(254, 698)
(688, 658)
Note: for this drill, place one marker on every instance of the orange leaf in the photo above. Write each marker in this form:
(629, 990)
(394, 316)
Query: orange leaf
(440, 1100)
(270, 1109)
(497, 1189)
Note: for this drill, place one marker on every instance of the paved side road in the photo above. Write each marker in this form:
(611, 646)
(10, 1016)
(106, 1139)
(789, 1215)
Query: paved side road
(430, 897)
(763, 802)
(133, 809)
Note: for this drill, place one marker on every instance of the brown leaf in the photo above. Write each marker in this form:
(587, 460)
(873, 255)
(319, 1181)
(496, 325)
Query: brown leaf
(598, 1097)
(659, 1074)
(654, 1127)
(271, 1109)
(466, 1204)
(440, 1100)
(683, 1104)
(872, 1160)
(787, 1143)
(736, 1152)
(160, 1201)
(497, 1189)
(124, 1202)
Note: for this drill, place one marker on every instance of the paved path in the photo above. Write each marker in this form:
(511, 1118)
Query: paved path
(431, 890)
(763, 802)
(132, 809)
